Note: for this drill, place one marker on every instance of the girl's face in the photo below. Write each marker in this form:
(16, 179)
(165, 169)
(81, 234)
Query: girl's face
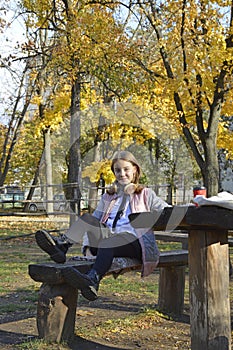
(124, 171)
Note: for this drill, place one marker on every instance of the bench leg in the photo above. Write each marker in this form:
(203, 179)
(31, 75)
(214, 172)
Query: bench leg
(56, 312)
(171, 289)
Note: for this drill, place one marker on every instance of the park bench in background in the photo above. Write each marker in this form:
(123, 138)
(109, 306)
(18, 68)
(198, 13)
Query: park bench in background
(182, 237)
(174, 236)
(57, 301)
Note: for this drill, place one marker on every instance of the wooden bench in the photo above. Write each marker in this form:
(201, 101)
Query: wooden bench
(182, 237)
(174, 236)
(57, 300)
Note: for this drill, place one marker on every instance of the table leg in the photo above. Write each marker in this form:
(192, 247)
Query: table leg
(209, 290)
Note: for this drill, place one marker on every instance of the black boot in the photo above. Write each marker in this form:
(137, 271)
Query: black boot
(56, 247)
(87, 283)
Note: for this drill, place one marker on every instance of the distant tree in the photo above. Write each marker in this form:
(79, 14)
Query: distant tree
(15, 119)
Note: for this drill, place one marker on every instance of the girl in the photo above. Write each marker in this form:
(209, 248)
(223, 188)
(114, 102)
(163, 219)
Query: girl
(108, 232)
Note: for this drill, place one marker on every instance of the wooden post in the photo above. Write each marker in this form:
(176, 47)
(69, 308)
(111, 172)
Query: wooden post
(56, 312)
(209, 290)
(171, 289)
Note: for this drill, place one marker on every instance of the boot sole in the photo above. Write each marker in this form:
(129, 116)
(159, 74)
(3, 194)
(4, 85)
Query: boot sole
(79, 281)
(46, 243)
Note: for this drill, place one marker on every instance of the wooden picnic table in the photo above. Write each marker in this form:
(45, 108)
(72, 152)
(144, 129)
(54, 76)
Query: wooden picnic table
(207, 227)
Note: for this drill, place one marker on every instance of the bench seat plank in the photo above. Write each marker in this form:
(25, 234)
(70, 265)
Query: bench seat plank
(51, 273)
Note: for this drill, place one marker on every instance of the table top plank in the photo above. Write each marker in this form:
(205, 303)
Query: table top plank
(184, 217)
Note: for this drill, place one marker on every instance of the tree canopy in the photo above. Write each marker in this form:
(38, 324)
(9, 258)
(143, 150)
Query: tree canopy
(172, 60)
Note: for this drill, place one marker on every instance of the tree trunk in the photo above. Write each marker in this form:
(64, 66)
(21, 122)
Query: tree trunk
(210, 171)
(48, 171)
(93, 193)
(74, 166)
(32, 188)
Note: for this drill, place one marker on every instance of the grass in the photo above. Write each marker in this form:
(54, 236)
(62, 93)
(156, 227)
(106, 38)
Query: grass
(40, 345)
(129, 284)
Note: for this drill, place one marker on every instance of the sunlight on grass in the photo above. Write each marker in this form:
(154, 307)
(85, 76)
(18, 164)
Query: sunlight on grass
(41, 345)
(128, 325)
(130, 283)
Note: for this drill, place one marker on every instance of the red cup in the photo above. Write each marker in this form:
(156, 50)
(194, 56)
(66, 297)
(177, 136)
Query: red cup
(201, 190)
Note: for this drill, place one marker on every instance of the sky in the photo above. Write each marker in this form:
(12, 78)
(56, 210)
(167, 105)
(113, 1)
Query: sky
(12, 34)
(14, 31)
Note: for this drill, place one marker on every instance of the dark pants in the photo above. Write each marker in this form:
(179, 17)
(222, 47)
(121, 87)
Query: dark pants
(120, 245)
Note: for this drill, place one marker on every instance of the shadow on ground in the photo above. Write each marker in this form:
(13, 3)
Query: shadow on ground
(13, 338)
(81, 343)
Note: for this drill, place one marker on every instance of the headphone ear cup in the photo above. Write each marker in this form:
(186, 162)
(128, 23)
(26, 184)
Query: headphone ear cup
(112, 189)
(130, 188)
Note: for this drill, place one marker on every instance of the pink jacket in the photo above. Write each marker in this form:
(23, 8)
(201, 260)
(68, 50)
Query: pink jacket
(144, 201)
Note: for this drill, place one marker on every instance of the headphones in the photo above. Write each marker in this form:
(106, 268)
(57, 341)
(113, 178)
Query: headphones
(131, 188)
